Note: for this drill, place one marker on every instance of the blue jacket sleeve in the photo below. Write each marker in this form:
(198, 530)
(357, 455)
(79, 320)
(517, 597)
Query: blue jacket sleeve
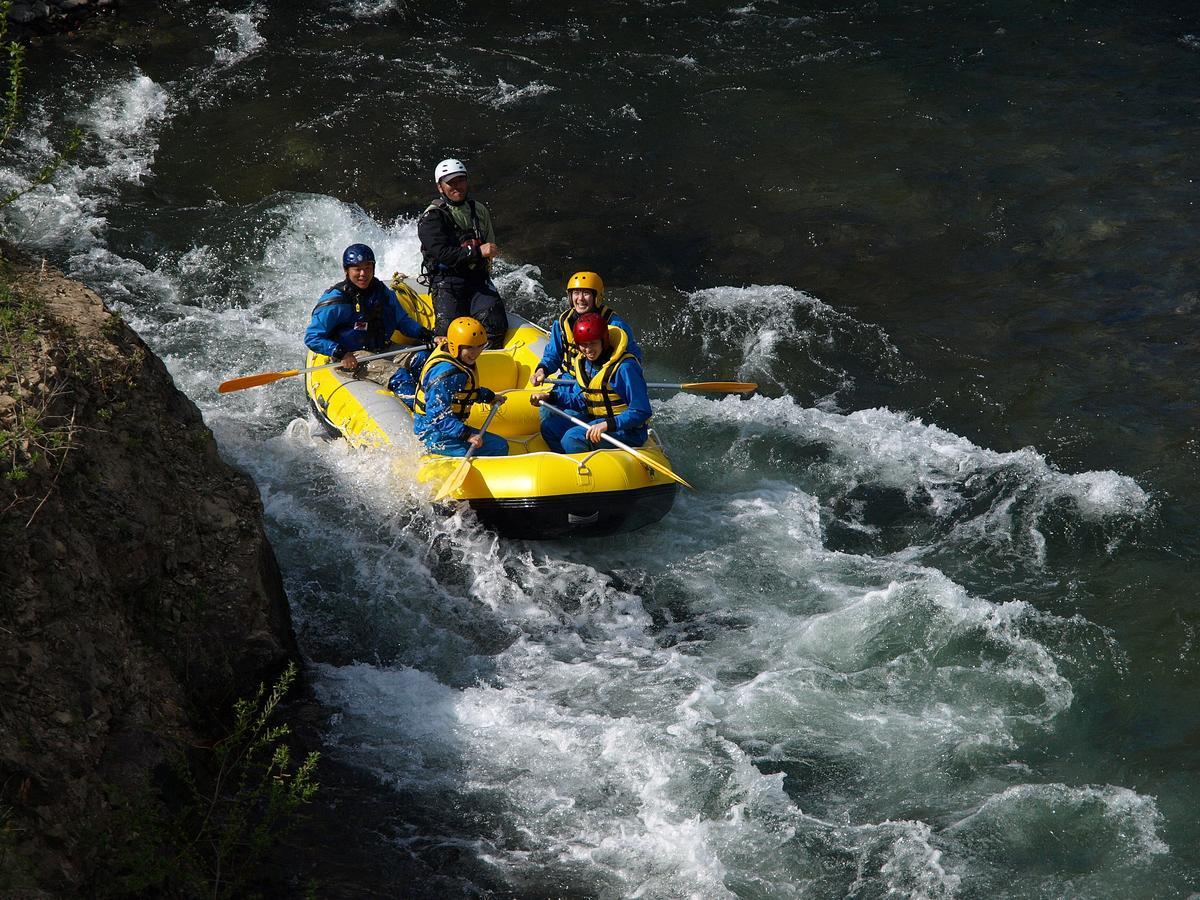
(630, 383)
(325, 320)
(552, 359)
(567, 397)
(439, 396)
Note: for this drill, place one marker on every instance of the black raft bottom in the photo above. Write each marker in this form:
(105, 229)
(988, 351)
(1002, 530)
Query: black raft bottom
(577, 515)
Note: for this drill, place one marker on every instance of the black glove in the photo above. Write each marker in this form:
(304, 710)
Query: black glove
(426, 336)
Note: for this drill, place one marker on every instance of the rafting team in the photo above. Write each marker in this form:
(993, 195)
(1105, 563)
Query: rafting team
(593, 347)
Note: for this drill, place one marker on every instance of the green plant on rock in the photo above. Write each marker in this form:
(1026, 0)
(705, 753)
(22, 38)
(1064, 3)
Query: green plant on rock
(15, 871)
(12, 111)
(32, 435)
(237, 804)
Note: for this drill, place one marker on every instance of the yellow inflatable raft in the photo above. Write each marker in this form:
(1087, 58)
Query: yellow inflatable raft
(532, 492)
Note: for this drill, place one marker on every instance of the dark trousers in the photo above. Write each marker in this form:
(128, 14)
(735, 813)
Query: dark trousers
(475, 297)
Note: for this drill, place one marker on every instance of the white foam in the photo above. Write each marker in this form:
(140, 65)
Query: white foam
(766, 320)
(902, 855)
(617, 795)
(897, 450)
(505, 94)
(1117, 820)
(373, 9)
(522, 288)
(243, 26)
(124, 113)
(68, 213)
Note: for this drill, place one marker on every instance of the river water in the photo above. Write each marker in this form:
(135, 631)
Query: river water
(925, 628)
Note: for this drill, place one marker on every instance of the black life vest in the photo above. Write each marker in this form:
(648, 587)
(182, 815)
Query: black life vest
(461, 236)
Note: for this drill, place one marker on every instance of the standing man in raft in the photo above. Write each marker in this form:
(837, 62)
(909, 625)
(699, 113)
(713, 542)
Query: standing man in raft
(458, 245)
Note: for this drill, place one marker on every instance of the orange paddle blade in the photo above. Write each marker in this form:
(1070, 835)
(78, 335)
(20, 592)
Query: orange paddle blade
(249, 381)
(732, 387)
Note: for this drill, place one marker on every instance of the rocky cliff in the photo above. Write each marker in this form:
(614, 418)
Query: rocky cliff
(139, 596)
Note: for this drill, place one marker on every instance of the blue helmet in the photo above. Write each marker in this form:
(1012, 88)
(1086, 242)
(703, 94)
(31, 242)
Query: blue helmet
(356, 255)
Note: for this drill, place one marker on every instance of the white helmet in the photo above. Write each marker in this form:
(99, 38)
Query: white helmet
(448, 168)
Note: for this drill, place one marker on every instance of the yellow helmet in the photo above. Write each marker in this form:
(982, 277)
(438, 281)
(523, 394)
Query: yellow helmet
(589, 281)
(465, 332)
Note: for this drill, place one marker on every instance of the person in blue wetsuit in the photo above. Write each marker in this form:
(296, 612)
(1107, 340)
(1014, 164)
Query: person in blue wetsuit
(358, 315)
(404, 380)
(448, 387)
(608, 388)
(585, 294)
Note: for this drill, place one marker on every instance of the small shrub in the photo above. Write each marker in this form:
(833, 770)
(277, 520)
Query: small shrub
(237, 804)
(16, 873)
(12, 111)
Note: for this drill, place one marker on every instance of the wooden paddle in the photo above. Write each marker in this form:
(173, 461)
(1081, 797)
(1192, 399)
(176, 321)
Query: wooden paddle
(640, 457)
(459, 475)
(728, 387)
(249, 381)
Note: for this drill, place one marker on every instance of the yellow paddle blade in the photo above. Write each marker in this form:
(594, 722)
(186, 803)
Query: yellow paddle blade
(249, 381)
(663, 469)
(454, 482)
(732, 387)
(646, 460)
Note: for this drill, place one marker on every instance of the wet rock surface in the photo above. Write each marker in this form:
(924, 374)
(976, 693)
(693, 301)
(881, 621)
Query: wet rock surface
(140, 595)
(34, 19)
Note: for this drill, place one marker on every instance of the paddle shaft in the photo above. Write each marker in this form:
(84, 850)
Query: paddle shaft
(730, 387)
(641, 457)
(483, 428)
(454, 482)
(249, 381)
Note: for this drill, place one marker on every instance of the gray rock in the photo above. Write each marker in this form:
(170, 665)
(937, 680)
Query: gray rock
(22, 13)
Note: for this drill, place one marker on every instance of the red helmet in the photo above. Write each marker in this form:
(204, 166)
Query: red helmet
(590, 327)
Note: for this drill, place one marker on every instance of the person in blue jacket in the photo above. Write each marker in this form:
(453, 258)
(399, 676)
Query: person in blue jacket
(607, 387)
(357, 316)
(585, 294)
(448, 388)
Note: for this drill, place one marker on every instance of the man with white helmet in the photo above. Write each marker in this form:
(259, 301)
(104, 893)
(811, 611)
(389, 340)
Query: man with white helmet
(458, 245)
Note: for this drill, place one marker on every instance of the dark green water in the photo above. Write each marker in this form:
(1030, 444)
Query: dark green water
(927, 628)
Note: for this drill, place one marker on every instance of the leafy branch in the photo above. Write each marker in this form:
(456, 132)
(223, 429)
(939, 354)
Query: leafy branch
(12, 112)
(236, 806)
